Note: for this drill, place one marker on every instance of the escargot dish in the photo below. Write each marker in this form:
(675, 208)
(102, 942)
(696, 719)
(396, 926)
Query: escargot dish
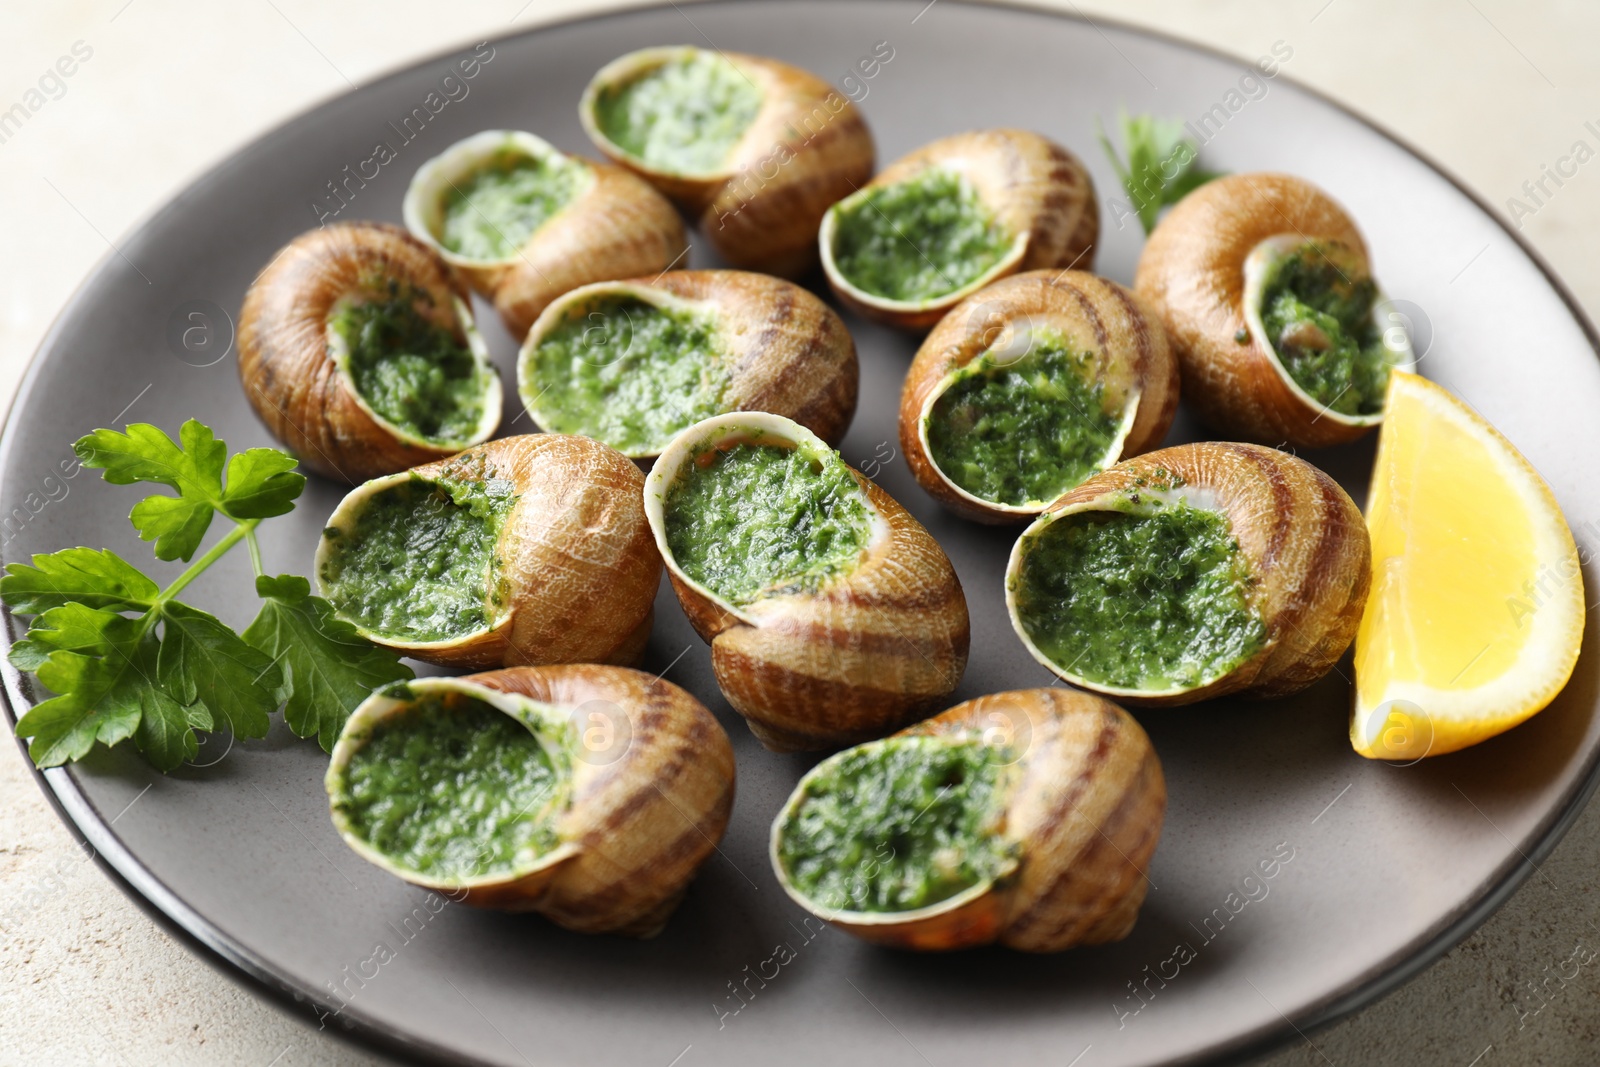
(588, 794)
(525, 223)
(525, 550)
(1267, 294)
(358, 350)
(753, 149)
(833, 616)
(954, 216)
(1029, 386)
(633, 363)
(1026, 819)
(1193, 572)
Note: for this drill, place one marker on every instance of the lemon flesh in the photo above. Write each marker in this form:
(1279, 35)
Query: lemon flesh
(1476, 610)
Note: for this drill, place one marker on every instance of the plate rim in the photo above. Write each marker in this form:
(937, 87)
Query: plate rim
(235, 960)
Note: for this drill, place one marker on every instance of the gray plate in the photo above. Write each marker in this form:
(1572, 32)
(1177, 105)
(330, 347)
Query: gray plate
(1390, 866)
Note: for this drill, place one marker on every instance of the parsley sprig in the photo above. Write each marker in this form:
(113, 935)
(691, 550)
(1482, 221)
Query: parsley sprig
(1161, 166)
(127, 659)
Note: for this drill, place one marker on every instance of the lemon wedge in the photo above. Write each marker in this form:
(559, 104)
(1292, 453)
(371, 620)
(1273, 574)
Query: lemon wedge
(1476, 610)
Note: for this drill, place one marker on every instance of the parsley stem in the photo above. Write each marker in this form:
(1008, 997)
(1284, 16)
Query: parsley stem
(218, 550)
(255, 550)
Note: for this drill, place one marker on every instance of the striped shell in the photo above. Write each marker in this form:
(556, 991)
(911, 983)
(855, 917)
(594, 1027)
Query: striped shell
(866, 653)
(788, 352)
(1095, 316)
(1303, 542)
(807, 147)
(616, 227)
(640, 821)
(1037, 189)
(1083, 805)
(579, 566)
(290, 374)
(1198, 271)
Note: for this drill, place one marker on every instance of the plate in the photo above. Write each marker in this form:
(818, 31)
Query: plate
(1376, 869)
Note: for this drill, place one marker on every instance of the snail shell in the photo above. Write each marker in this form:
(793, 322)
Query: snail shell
(1036, 189)
(785, 350)
(1095, 316)
(637, 823)
(1302, 542)
(1203, 269)
(869, 650)
(577, 569)
(615, 226)
(292, 362)
(806, 147)
(1082, 802)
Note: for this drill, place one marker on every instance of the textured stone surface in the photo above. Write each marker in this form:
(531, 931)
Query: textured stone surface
(1493, 89)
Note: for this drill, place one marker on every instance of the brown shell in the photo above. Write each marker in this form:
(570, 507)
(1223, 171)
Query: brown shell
(861, 656)
(788, 352)
(1036, 189)
(579, 563)
(1084, 806)
(1095, 316)
(291, 378)
(1303, 541)
(1192, 272)
(641, 821)
(807, 148)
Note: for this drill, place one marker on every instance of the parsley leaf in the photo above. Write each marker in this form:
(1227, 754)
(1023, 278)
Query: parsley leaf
(328, 668)
(88, 576)
(1160, 169)
(145, 454)
(261, 484)
(203, 662)
(74, 628)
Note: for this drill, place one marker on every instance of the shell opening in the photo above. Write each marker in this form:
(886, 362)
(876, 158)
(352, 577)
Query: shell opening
(1314, 306)
(481, 199)
(751, 505)
(413, 562)
(420, 370)
(1026, 421)
(677, 111)
(1146, 594)
(929, 238)
(629, 365)
(907, 824)
(447, 783)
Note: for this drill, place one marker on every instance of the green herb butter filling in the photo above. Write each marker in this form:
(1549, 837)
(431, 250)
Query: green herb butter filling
(752, 519)
(918, 239)
(1024, 431)
(417, 376)
(1316, 307)
(418, 563)
(684, 116)
(1150, 601)
(628, 373)
(897, 824)
(492, 214)
(451, 787)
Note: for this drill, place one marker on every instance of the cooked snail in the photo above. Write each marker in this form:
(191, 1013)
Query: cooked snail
(1193, 572)
(1267, 294)
(358, 350)
(632, 363)
(525, 550)
(524, 222)
(1030, 385)
(588, 794)
(1026, 818)
(753, 149)
(953, 216)
(833, 616)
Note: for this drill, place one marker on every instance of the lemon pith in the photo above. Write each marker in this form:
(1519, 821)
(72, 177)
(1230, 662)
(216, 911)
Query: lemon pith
(1476, 611)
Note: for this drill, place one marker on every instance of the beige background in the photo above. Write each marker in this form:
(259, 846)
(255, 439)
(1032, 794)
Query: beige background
(1492, 89)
